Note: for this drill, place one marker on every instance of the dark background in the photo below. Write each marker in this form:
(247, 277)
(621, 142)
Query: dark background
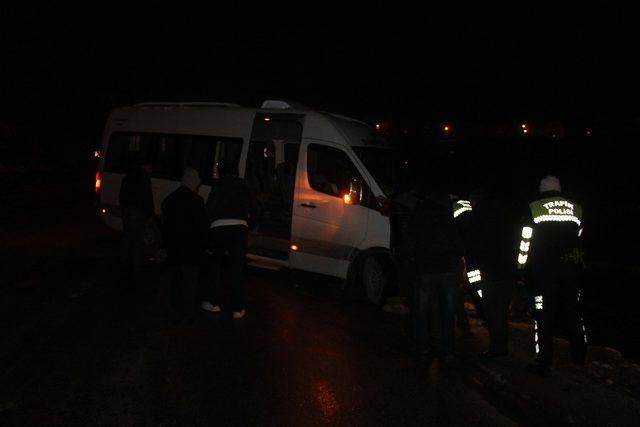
(570, 72)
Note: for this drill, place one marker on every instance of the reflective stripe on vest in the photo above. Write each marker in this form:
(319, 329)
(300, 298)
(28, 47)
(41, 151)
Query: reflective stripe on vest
(555, 209)
(460, 207)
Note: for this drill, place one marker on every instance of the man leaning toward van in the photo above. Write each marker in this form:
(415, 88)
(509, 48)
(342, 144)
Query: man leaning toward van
(228, 208)
(185, 233)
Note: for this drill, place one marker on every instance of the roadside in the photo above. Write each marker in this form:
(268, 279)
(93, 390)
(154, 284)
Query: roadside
(78, 347)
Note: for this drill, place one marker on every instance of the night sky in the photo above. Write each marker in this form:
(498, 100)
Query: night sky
(62, 62)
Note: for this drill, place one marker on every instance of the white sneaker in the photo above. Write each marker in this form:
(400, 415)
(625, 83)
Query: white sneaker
(239, 314)
(207, 306)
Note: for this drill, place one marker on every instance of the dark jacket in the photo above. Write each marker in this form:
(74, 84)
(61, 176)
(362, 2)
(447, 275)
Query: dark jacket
(135, 192)
(436, 241)
(402, 207)
(184, 225)
(230, 198)
(492, 241)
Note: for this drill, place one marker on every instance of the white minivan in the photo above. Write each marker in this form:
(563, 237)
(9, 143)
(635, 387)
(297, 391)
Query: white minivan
(320, 180)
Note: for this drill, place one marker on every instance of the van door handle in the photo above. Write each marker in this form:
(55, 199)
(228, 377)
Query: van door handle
(308, 205)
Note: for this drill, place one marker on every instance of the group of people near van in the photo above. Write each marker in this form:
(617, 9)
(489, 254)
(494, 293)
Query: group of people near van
(441, 246)
(446, 248)
(197, 235)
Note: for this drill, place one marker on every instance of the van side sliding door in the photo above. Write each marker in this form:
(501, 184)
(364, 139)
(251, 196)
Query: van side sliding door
(270, 173)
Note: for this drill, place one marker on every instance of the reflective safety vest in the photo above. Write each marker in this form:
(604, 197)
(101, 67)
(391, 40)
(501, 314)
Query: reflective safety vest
(460, 207)
(555, 227)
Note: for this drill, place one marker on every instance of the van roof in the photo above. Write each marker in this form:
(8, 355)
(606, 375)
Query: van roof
(184, 117)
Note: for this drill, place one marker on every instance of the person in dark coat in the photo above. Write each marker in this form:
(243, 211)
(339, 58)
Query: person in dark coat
(185, 232)
(492, 247)
(438, 252)
(137, 208)
(403, 205)
(228, 210)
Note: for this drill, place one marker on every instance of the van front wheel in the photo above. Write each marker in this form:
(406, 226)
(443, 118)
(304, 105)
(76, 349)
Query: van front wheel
(374, 280)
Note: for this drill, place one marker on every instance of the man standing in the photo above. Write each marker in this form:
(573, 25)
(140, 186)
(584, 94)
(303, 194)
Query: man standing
(438, 252)
(462, 218)
(185, 230)
(492, 247)
(228, 208)
(550, 251)
(136, 204)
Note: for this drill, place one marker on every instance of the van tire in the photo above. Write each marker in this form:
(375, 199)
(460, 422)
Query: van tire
(374, 279)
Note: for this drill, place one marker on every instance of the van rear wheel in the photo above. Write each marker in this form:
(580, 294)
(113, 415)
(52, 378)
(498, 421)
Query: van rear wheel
(374, 280)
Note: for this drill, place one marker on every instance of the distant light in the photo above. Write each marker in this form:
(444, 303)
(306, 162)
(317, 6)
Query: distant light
(103, 210)
(97, 154)
(588, 132)
(378, 126)
(347, 199)
(294, 247)
(523, 126)
(525, 130)
(267, 119)
(446, 128)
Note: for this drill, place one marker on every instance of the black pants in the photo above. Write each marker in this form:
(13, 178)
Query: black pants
(230, 242)
(134, 222)
(184, 283)
(556, 303)
(496, 297)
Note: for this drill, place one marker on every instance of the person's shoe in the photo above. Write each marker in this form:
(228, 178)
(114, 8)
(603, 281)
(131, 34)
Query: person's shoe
(491, 355)
(239, 314)
(539, 369)
(207, 306)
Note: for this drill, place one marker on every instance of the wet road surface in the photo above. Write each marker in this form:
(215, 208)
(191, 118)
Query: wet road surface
(81, 347)
(86, 348)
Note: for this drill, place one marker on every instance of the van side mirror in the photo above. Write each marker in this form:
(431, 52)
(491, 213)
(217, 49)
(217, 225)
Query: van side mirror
(355, 194)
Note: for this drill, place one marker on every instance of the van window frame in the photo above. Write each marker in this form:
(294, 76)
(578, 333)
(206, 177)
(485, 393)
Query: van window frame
(211, 158)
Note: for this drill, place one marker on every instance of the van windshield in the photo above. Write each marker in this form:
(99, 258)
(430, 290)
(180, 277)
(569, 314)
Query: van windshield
(380, 164)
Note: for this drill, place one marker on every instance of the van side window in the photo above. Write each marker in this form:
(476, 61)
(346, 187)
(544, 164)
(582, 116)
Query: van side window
(197, 152)
(330, 170)
(166, 160)
(229, 150)
(170, 153)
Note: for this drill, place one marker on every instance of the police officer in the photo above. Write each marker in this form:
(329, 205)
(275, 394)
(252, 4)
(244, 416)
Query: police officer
(550, 253)
(462, 214)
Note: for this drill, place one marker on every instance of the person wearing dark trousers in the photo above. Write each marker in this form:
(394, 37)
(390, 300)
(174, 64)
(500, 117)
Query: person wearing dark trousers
(228, 210)
(403, 204)
(185, 232)
(136, 208)
(438, 252)
(551, 258)
(492, 246)
(228, 243)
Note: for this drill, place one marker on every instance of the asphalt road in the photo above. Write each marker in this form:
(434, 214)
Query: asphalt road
(83, 347)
